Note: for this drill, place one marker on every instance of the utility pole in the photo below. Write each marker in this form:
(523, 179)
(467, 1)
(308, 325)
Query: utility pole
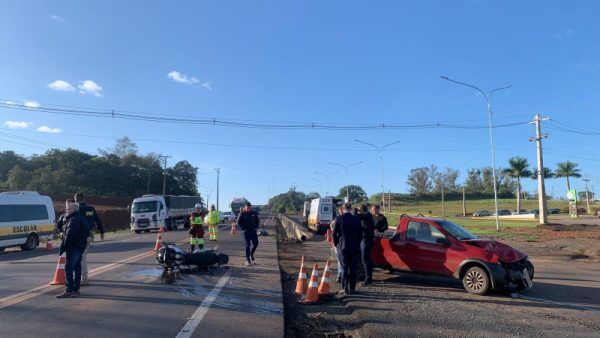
(587, 194)
(464, 204)
(540, 172)
(164, 173)
(443, 207)
(207, 198)
(218, 170)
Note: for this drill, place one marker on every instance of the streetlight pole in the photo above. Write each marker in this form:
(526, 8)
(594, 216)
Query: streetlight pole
(488, 98)
(380, 151)
(327, 178)
(346, 167)
(218, 170)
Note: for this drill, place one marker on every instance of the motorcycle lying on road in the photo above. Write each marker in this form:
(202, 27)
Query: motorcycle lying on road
(173, 260)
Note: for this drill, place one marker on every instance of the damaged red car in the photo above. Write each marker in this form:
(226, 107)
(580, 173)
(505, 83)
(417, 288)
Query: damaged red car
(440, 247)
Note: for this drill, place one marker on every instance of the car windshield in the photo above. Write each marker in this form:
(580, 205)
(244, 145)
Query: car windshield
(144, 207)
(456, 230)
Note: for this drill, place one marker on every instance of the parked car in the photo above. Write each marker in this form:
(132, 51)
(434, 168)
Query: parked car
(439, 247)
(553, 211)
(227, 216)
(514, 212)
(503, 212)
(482, 213)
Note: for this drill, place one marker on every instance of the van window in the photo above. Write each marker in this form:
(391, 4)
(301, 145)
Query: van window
(20, 213)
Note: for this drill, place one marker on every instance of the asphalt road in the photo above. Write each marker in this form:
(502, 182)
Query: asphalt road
(127, 299)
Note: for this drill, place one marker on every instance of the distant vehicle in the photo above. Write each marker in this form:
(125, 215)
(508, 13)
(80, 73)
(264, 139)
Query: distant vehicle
(534, 211)
(237, 203)
(227, 216)
(514, 212)
(482, 213)
(438, 247)
(553, 211)
(503, 212)
(25, 216)
(321, 214)
(151, 212)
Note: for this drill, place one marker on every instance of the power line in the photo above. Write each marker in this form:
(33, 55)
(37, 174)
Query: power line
(174, 119)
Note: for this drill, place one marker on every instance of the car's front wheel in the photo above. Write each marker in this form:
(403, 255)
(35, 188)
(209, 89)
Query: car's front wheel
(476, 281)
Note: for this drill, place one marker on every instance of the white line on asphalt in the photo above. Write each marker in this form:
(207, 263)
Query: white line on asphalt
(547, 301)
(193, 322)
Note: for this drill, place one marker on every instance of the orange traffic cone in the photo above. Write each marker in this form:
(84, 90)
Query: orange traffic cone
(302, 283)
(49, 245)
(159, 240)
(60, 278)
(329, 236)
(325, 286)
(233, 229)
(312, 294)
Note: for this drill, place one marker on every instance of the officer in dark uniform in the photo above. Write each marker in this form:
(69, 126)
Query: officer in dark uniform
(347, 235)
(94, 223)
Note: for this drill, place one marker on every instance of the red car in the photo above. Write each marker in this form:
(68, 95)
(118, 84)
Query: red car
(440, 247)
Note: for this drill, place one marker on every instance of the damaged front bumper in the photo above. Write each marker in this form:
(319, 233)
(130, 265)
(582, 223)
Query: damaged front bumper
(517, 275)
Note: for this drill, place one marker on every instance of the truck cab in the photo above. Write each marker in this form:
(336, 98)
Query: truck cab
(148, 213)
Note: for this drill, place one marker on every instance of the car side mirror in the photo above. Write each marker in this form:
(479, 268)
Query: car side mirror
(443, 240)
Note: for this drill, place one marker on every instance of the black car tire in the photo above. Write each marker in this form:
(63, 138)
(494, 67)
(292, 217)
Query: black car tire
(476, 281)
(137, 231)
(31, 243)
(2, 249)
(521, 285)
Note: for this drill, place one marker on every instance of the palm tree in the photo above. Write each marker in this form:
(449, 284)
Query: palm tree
(567, 169)
(518, 168)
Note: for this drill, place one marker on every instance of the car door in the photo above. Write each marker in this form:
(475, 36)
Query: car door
(424, 253)
(388, 250)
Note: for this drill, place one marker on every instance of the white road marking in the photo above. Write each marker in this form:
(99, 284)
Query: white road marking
(546, 301)
(190, 326)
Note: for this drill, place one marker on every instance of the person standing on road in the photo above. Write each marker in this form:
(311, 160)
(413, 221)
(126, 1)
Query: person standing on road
(74, 242)
(94, 223)
(381, 223)
(212, 219)
(368, 239)
(248, 221)
(62, 219)
(335, 250)
(196, 229)
(347, 235)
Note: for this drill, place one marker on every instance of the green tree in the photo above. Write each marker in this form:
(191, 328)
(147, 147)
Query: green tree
(519, 167)
(8, 160)
(567, 169)
(419, 180)
(356, 192)
(289, 202)
(182, 179)
(123, 147)
(18, 179)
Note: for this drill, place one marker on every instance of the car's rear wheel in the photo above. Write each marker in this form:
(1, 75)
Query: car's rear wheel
(31, 243)
(476, 281)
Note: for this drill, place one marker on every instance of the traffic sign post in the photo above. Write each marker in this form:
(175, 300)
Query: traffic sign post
(572, 197)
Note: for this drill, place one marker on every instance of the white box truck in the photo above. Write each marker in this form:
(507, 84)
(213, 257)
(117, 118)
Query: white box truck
(151, 212)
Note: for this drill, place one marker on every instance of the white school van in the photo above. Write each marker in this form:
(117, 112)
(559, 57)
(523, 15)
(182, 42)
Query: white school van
(321, 214)
(25, 216)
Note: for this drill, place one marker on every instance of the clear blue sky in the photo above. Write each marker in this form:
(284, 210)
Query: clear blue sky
(307, 61)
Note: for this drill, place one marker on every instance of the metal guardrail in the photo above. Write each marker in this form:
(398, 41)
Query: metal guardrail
(294, 229)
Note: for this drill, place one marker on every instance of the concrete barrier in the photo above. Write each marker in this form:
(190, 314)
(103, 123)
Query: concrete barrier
(294, 229)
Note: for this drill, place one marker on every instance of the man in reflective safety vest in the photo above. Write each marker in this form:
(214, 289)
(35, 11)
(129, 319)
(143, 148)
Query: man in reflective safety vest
(196, 229)
(212, 219)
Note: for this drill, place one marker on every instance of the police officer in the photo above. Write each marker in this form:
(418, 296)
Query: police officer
(196, 230)
(347, 234)
(94, 223)
(212, 219)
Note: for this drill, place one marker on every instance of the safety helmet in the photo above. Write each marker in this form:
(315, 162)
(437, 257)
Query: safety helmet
(198, 206)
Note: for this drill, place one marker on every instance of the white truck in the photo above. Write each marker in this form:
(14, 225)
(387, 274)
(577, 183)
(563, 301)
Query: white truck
(322, 212)
(151, 212)
(237, 203)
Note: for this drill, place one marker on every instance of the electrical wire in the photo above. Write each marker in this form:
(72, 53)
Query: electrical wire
(174, 119)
